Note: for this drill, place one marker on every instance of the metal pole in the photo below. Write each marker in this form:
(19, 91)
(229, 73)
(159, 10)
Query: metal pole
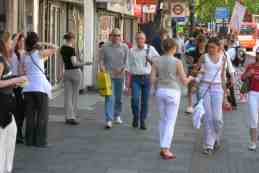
(192, 11)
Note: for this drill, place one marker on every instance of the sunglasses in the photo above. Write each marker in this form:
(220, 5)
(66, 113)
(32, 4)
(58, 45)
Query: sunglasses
(116, 35)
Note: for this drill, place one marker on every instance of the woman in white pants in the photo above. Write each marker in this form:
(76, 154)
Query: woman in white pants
(211, 88)
(165, 71)
(8, 127)
(252, 74)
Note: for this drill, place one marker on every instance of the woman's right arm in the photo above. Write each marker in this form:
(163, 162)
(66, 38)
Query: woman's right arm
(10, 82)
(46, 53)
(181, 74)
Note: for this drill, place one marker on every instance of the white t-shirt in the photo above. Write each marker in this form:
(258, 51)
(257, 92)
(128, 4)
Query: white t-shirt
(137, 63)
(211, 69)
(37, 81)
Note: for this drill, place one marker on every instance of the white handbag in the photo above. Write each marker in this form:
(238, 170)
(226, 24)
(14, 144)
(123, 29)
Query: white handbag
(198, 113)
(199, 109)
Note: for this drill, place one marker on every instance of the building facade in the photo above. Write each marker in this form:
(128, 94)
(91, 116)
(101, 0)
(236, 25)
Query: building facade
(90, 20)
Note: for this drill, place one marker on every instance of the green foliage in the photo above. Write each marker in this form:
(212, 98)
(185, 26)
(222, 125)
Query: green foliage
(206, 9)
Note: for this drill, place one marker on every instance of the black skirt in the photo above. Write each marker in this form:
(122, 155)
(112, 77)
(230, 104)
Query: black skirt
(7, 106)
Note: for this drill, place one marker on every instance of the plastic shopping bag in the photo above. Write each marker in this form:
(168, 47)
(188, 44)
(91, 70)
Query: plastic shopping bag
(104, 84)
(198, 113)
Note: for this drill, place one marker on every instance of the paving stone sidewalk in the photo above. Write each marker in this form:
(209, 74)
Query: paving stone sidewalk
(88, 148)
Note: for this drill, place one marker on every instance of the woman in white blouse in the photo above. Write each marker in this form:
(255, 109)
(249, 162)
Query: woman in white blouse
(37, 92)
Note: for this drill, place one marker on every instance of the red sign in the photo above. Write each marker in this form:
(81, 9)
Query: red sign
(137, 10)
(145, 1)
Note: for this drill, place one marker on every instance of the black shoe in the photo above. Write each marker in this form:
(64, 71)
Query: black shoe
(43, 146)
(135, 123)
(143, 126)
(72, 122)
(19, 137)
(19, 140)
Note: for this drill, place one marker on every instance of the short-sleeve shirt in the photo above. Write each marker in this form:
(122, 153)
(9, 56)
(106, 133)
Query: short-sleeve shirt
(37, 80)
(137, 63)
(254, 80)
(67, 52)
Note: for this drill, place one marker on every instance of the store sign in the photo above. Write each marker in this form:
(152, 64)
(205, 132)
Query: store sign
(222, 13)
(137, 10)
(121, 6)
(149, 8)
(179, 9)
(146, 2)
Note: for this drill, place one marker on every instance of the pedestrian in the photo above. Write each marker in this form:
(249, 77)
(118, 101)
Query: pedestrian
(181, 45)
(230, 78)
(113, 59)
(139, 66)
(211, 80)
(17, 70)
(252, 75)
(157, 41)
(8, 129)
(72, 78)
(165, 71)
(193, 58)
(37, 92)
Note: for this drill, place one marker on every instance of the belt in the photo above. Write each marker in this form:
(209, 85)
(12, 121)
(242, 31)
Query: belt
(211, 83)
(73, 68)
(142, 76)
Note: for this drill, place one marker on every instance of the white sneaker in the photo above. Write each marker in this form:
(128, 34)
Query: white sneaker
(109, 125)
(118, 120)
(189, 110)
(252, 146)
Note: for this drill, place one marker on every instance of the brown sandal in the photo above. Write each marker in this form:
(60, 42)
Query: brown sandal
(167, 155)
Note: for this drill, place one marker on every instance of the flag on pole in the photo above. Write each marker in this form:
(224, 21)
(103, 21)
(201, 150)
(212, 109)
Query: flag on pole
(237, 17)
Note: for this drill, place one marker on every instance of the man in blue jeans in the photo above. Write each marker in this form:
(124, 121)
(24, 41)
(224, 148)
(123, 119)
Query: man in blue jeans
(113, 59)
(139, 66)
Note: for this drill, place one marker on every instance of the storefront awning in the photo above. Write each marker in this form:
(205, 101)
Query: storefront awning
(74, 1)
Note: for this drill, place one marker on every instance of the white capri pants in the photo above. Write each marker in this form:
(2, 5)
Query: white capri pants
(213, 117)
(7, 147)
(253, 106)
(168, 101)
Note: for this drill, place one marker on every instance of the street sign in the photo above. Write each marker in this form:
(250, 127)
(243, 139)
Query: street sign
(180, 19)
(222, 13)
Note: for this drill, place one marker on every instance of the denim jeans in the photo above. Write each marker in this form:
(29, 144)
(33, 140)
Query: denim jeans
(140, 86)
(113, 103)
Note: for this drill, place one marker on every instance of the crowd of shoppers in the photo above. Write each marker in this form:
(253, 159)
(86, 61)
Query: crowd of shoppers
(142, 69)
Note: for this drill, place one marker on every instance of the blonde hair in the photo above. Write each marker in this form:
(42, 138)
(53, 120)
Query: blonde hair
(4, 37)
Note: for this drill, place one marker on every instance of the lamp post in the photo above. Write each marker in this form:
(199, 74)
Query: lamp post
(192, 12)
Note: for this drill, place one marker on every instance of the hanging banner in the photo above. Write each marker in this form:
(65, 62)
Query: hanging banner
(147, 2)
(237, 17)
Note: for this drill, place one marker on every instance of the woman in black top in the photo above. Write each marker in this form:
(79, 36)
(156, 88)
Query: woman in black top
(72, 78)
(8, 127)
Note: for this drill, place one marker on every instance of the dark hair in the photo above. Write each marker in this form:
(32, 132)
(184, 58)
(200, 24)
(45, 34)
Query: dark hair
(201, 39)
(4, 37)
(31, 41)
(101, 44)
(214, 40)
(16, 49)
(68, 36)
(168, 44)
